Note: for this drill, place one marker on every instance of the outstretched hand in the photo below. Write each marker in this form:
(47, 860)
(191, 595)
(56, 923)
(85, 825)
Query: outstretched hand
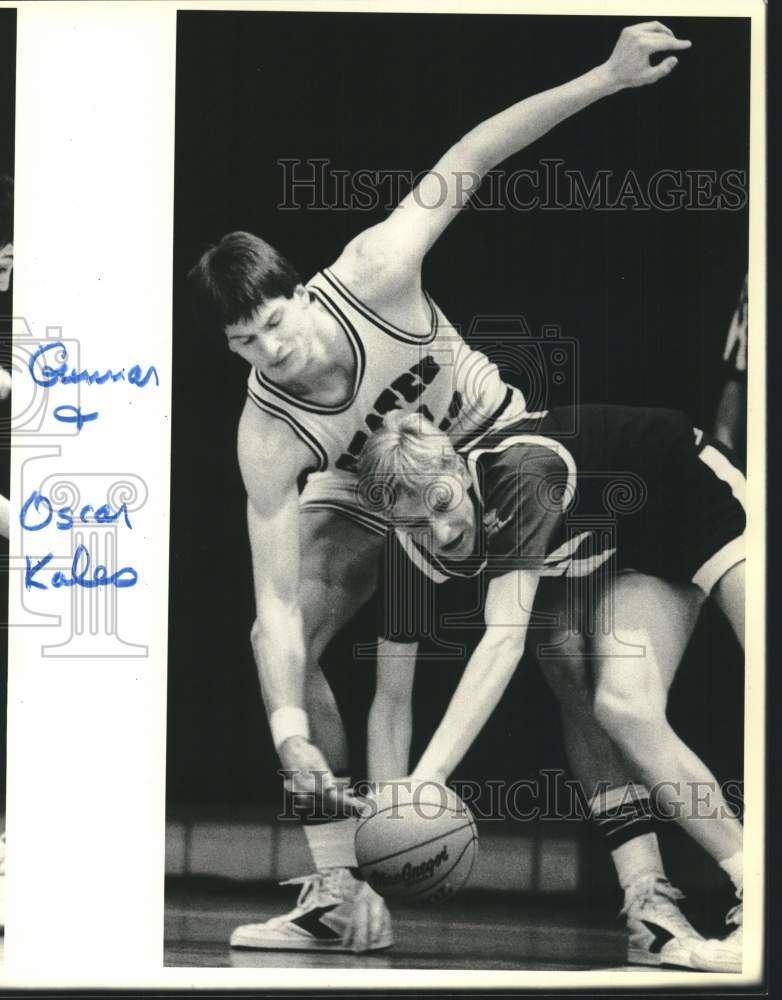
(629, 66)
(371, 921)
(308, 774)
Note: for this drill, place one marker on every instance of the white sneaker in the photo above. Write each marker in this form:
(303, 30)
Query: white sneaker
(660, 934)
(318, 922)
(725, 955)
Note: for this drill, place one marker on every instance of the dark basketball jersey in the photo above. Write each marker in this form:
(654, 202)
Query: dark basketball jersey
(631, 489)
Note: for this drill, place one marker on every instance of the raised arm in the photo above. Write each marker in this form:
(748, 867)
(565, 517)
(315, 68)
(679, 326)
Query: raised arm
(421, 217)
(491, 666)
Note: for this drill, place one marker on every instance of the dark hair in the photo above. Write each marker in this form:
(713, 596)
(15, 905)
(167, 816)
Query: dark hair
(234, 278)
(6, 211)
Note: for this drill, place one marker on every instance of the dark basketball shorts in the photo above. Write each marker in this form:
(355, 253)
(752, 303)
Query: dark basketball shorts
(667, 496)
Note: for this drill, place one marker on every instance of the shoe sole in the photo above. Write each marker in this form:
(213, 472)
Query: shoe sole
(685, 960)
(249, 945)
(675, 959)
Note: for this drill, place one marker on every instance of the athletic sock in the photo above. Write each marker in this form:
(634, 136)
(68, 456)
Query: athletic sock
(330, 836)
(624, 817)
(734, 867)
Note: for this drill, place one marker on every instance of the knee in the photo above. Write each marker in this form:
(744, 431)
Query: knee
(569, 678)
(627, 711)
(564, 665)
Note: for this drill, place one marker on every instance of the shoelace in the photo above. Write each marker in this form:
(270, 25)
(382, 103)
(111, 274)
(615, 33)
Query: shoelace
(654, 889)
(320, 883)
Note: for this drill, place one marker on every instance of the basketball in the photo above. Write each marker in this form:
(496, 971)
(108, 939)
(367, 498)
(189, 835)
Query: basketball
(418, 843)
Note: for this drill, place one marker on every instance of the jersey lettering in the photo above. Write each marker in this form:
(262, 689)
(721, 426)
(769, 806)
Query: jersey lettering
(407, 388)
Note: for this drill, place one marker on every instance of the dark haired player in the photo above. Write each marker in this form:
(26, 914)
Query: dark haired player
(329, 360)
(635, 489)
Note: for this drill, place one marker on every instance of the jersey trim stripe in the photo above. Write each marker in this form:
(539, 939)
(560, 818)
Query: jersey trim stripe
(397, 332)
(301, 432)
(716, 566)
(733, 552)
(483, 429)
(358, 352)
(724, 469)
(369, 521)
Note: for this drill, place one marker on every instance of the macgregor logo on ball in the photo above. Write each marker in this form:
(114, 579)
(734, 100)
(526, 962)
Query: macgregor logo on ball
(411, 873)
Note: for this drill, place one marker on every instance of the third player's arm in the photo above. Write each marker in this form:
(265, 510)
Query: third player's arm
(490, 668)
(391, 715)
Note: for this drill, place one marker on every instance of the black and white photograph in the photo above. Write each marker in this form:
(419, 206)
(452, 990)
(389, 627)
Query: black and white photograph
(457, 587)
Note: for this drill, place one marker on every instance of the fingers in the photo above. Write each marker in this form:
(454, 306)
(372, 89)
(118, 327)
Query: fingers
(348, 938)
(662, 69)
(346, 801)
(659, 43)
(378, 917)
(653, 26)
(357, 938)
(370, 922)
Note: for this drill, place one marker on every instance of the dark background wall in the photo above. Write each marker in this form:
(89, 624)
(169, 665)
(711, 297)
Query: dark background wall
(648, 295)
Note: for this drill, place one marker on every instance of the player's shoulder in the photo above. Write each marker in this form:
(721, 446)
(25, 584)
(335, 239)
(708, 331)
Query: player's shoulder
(513, 454)
(372, 261)
(268, 447)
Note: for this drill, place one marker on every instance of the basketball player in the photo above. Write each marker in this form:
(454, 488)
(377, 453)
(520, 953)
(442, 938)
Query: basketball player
(329, 361)
(520, 507)
(730, 424)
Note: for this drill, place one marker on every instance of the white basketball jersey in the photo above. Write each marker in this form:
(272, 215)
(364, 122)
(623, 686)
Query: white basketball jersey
(435, 373)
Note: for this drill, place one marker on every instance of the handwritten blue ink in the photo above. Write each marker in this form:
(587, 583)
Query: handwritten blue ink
(72, 415)
(125, 577)
(65, 515)
(49, 377)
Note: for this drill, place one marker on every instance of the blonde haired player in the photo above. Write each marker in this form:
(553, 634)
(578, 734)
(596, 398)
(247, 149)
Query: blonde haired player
(329, 360)
(529, 504)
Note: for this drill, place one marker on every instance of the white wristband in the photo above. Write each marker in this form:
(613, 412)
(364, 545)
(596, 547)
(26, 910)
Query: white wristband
(286, 722)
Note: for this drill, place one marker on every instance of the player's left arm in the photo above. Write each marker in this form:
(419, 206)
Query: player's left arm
(390, 725)
(508, 607)
(414, 226)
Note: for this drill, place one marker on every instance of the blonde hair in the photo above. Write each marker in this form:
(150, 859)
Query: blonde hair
(403, 455)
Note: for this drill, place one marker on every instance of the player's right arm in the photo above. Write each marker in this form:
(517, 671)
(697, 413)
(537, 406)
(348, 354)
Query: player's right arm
(400, 243)
(271, 459)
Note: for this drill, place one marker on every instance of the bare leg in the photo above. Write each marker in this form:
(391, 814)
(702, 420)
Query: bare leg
(630, 702)
(729, 595)
(593, 757)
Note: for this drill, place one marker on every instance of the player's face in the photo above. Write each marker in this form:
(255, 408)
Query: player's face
(6, 266)
(277, 339)
(442, 515)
